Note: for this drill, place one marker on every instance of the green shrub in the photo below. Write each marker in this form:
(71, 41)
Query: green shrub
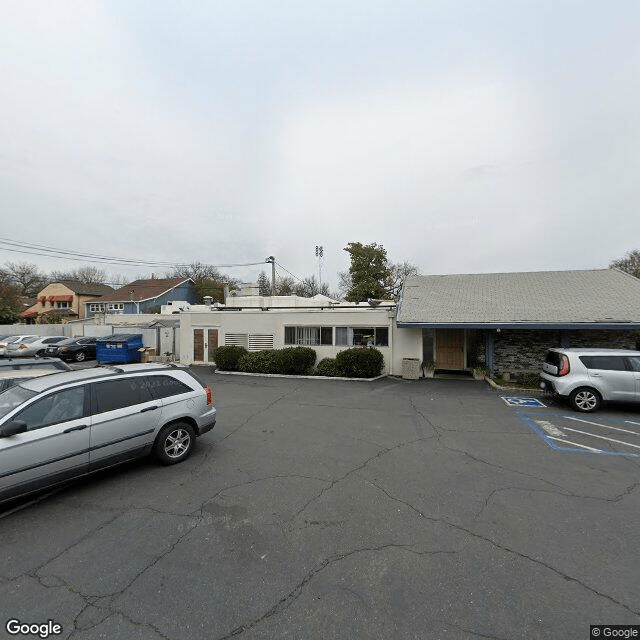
(290, 360)
(295, 360)
(360, 362)
(328, 367)
(265, 361)
(227, 357)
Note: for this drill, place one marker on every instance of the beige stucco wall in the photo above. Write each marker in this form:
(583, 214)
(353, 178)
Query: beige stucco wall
(272, 322)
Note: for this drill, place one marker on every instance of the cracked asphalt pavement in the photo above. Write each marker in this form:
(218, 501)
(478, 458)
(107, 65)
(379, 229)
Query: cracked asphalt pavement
(335, 509)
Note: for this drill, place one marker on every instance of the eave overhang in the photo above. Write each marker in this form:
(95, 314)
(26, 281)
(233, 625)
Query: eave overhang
(609, 326)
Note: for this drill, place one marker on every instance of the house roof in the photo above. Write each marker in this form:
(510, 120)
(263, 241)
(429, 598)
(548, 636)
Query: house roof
(606, 298)
(141, 290)
(86, 289)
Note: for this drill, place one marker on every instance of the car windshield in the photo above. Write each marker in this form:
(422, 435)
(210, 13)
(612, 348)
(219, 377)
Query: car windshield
(12, 398)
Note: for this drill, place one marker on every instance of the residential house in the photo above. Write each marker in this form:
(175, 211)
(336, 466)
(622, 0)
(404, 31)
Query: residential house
(63, 301)
(507, 321)
(143, 296)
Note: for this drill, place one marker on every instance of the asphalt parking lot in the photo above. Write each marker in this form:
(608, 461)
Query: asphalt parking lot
(334, 509)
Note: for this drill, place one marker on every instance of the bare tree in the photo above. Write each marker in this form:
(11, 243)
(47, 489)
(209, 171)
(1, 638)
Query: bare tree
(83, 275)
(630, 263)
(399, 272)
(24, 276)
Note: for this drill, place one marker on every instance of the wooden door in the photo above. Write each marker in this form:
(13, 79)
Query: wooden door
(450, 349)
(198, 345)
(212, 341)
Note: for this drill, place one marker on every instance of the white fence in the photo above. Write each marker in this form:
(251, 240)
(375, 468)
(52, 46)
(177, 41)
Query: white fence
(165, 340)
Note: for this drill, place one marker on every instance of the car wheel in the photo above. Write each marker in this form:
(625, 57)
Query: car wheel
(585, 400)
(40, 354)
(174, 443)
(80, 356)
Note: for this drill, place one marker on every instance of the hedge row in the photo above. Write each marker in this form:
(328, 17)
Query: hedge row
(358, 362)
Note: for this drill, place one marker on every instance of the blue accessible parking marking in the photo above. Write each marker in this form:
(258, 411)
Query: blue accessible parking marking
(522, 402)
(604, 436)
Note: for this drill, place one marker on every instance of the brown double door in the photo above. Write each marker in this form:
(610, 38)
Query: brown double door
(205, 342)
(450, 349)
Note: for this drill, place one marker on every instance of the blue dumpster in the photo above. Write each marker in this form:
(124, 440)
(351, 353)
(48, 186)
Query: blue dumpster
(120, 347)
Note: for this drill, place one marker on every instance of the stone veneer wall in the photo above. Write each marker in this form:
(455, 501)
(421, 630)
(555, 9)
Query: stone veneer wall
(522, 351)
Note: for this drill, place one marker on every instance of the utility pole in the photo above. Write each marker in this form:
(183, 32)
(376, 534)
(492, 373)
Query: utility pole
(319, 254)
(272, 260)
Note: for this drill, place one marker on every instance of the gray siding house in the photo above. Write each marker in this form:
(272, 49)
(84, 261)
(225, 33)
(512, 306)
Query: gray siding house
(506, 321)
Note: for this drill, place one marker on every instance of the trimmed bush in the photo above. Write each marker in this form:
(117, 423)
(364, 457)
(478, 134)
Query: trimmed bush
(265, 361)
(360, 362)
(227, 357)
(290, 360)
(328, 367)
(295, 360)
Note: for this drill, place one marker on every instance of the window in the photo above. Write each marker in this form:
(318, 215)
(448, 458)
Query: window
(115, 307)
(62, 304)
(362, 336)
(635, 362)
(310, 336)
(165, 386)
(60, 406)
(605, 363)
(52, 340)
(116, 394)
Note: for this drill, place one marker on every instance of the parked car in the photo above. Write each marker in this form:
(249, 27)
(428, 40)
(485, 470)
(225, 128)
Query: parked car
(77, 349)
(31, 346)
(586, 377)
(11, 340)
(13, 370)
(65, 425)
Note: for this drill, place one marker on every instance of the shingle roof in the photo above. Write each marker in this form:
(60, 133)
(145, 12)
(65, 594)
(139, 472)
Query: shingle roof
(603, 296)
(85, 289)
(139, 290)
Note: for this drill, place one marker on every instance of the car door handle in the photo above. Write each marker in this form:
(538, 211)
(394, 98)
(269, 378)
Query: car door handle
(595, 375)
(78, 428)
(148, 409)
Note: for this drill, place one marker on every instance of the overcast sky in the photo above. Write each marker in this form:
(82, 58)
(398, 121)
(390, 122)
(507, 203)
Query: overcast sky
(463, 136)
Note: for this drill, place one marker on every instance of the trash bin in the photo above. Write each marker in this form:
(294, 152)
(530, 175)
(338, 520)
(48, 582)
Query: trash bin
(120, 347)
(410, 368)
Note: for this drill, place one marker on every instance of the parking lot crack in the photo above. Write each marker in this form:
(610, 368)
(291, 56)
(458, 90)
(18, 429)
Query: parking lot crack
(617, 498)
(361, 466)
(520, 554)
(261, 410)
(295, 592)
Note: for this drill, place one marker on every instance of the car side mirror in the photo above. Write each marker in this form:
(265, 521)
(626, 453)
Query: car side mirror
(12, 428)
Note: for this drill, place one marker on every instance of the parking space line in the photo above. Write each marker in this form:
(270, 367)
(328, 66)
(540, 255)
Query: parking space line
(631, 422)
(575, 444)
(604, 426)
(593, 435)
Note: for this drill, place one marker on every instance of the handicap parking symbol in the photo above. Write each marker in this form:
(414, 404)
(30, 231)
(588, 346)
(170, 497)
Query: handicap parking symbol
(522, 402)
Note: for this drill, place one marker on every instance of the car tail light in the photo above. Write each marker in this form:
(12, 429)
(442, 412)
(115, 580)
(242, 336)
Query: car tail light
(23, 346)
(64, 348)
(209, 395)
(564, 366)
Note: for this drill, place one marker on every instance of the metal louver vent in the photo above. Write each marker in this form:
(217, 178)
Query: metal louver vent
(258, 342)
(236, 339)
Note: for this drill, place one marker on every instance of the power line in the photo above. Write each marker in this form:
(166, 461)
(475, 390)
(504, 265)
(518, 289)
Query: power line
(30, 248)
(289, 272)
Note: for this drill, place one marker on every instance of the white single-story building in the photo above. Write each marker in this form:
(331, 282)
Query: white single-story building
(266, 322)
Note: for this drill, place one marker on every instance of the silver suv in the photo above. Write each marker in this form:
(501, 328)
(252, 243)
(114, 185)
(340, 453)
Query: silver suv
(65, 425)
(586, 377)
